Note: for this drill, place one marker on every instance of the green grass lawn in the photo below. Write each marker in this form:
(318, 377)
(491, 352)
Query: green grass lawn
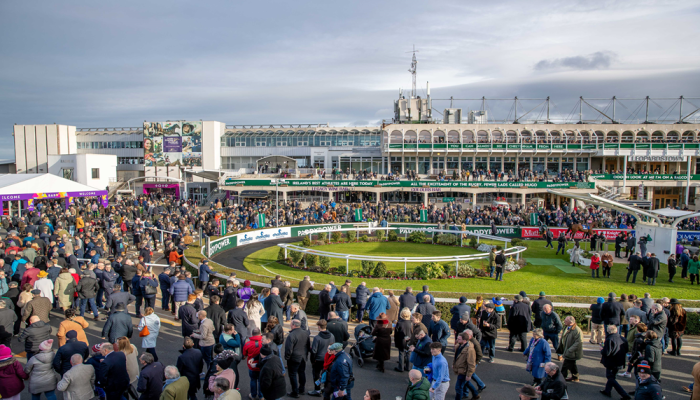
(390, 249)
(531, 278)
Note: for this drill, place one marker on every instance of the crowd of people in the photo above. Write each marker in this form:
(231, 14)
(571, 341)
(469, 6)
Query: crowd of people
(87, 257)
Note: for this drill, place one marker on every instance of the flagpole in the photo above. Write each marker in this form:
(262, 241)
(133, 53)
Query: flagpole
(277, 206)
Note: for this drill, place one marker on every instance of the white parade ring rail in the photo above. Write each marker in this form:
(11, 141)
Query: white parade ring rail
(516, 250)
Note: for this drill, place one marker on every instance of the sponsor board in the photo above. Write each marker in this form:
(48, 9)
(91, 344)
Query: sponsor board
(534, 233)
(263, 235)
(687, 235)
(503, 231)
(219, 245)
(311, 230)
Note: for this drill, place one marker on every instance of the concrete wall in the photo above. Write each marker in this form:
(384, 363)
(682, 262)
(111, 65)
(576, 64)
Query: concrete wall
(34, 143)
(211, 144)
(82, 165)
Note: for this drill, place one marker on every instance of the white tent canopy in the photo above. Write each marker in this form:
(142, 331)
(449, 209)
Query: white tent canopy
(24, 184)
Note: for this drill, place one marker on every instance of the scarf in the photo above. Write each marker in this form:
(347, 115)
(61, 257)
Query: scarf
(328, 361)
(532, 350)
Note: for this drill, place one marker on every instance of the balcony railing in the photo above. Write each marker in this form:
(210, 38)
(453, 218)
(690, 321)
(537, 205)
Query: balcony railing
(543, 146)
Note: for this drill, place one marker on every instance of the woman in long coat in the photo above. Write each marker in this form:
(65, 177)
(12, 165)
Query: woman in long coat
(152, 321)
(595, 266)
(393, 312)
(42, 377)
(64, 289)
(382, 344)
(676, 326)
(537, 354)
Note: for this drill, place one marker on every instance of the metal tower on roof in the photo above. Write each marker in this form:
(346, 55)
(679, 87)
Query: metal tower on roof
(412, 70)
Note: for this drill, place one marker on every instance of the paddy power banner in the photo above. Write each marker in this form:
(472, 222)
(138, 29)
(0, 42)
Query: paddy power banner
(503, 231)
(534, 233)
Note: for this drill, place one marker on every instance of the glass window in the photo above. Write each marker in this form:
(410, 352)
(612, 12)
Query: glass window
(452, 162)
(508, 164)
(396, 165)
(495, 164)
(467, 163)
(523, 163)
(95, 173)
(567, 163)
(538, 165)
(410, 163)
(482, 163)
(581, 163)
(423, 165)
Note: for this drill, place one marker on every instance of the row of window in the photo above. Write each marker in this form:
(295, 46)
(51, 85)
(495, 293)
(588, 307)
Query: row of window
(301, 141)
(111, 145)
(130, 160)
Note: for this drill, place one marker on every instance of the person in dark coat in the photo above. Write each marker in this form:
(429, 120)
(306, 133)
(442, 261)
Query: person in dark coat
(118, 297)
(407, 299)
(361, 296)
(61, 362)
(34, 334)
(188, 315)
(338, 328)
(319, 348)
(553, 387)
(164, 282)
(112, 373)
(217, 314)
(87, 292)
(273, 305)
(230, 297)
(343, 303)
(324, 302)
(402, 334)
(190, 364)
(611, 311)
(118, 324)
(151, 380)
(538, 307)
(340, 374)
(648, 387)
(631, 243)
(652, 270)
(489, 323)
(458, 310)
(635, 262)
(239, 319)
(382, 342)
(464, 323)
(296, 350)
(148, 280)
(519, 323)
(613, 358)
(272, 384)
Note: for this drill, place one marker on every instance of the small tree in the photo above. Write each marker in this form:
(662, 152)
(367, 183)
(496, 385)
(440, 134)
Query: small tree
(336, 236)
(417, 237)
(306, 242)
(368, 267)
(280, 255)
(380, 235)
(322, 236)
(365, 238)
(295, 256)
(473, 242)
(350, 235)
(380, 270)
(311, 260)
(324, 263)
(393, 236)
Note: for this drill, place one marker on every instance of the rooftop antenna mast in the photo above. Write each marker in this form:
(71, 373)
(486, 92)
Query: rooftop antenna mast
(412, 70)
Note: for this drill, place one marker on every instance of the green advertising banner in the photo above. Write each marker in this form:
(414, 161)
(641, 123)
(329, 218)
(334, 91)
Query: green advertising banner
(261, 220)
(423, 215)
(504, 231)
(646, 177)
(448, 199)
(314, 229)
(545, 146)
(415, 184)
(358, 215)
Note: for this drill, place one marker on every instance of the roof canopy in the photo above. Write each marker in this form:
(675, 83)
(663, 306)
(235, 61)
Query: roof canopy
(281, 160)
(588, 198)
(670, 212)
(38, 186)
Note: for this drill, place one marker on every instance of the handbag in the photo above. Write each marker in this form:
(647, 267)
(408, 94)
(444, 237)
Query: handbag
(145, 331)
(149, 290)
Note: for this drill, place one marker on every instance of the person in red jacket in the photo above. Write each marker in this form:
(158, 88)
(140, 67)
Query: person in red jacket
(30, 275)
(595, 266)
(251, 351)
(12, 374)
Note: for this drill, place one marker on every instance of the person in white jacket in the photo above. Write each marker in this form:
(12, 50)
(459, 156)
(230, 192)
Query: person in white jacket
(79, 382)
(152, 321)
(45, 285)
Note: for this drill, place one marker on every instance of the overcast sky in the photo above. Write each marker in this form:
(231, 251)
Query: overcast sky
(103, 64)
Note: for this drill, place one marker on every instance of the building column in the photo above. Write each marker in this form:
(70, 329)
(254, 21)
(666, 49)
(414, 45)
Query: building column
(330, 195)
(517, 160)
(473, 200)
(522, 199)
(560, 163)
(430, 164)
(571, 205)
(425, 199)
(284, 196)
(617, 163)
(403, 167)
(589, 164)
(558, 201)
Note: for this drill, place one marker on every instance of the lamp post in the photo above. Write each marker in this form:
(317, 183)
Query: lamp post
(277, 203)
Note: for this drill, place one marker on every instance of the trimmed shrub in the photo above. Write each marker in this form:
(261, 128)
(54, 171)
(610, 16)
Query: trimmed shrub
(473, 242)
(380, 235)
(416, 237)
(322, 236)
(324, 263)
(311, 260)
(465, 271)
(365, 238)
(447, 239)
(280, 255)
(393, 236)
(368, 267)
(392, 274)
(336, 236)
(517, 242)
(429, 271)
(306, 242)
(351, 235)
(295, 256)
(380, 270)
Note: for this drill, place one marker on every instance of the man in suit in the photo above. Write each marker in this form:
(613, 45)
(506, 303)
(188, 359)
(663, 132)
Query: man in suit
(118, 324)
(652, 270)
(114, 377)
(631, 243)
(273, 304)
(216, 314)
(190, 364)
(239, 319)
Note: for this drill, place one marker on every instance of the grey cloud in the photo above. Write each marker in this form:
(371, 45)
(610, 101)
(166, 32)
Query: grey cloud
(597, 60)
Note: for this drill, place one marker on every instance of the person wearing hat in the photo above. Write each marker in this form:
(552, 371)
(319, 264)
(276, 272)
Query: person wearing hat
(339, 378)
(596, 321)
(648, 387)
(489, 324)
(61, 363)
(12, 375)
(39, 306)
(457, 311)
(676, 326)
(42, 377)
(272, 384)
(382, 343)
(45, 285)
(246, 292)
(204, 272)
(519, 323)
(527, 392)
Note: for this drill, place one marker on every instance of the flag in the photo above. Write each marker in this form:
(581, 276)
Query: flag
(358, 215)
(423, 215)
(223, 227)
(261, 220)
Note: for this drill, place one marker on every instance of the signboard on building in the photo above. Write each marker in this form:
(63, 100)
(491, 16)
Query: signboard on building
(657, 158)
(417, 186)
(172, 143)
(534, 233)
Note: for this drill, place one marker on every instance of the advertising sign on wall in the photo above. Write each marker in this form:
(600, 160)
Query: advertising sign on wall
(172, 143)
(534, 233)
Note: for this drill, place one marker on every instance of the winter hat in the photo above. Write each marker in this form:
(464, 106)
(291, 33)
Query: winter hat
(246, 283)
(72, 334)
(542, 294)
(96, 348)
(46, 345)
(600, 300)
(5, 353)
(462, 299)
(522, 293)
(644, 367)
(336, 347)
(266, 351)
(224, 363)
